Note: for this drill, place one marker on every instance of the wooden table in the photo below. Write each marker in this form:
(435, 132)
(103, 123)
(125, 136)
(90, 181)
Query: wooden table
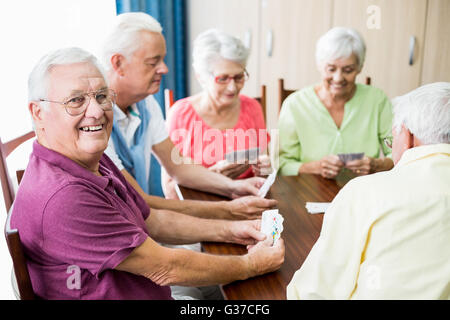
(301, 231)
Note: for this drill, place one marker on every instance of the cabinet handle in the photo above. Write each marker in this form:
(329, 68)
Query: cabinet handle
(248, 38)
(269, 43)
(412, 45)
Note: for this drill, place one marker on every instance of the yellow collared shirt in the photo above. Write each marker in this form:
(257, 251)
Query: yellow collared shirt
(385, 236)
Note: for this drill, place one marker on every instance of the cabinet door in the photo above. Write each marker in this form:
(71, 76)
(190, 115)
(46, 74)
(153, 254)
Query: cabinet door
(236, 17)
(289, 32)
(436, 62)
(388, 48)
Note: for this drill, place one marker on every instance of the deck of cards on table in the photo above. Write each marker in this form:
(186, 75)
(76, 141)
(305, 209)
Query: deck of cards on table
(272, 224)
(317, 207)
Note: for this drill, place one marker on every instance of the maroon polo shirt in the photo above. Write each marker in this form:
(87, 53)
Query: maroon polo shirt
(76, 227)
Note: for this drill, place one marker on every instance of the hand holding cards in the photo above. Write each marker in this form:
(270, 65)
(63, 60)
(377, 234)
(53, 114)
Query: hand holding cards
(243, 156)
(272, 224)
(347, 157)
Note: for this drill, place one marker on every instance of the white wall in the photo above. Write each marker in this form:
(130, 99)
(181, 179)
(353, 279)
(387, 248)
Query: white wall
(28, 30)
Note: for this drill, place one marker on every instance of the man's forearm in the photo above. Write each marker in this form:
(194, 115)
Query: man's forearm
(166, 266)
(194, 268)
(200, 209)
(176, 228)
(190, 175)
(200, 178)
(381, 164)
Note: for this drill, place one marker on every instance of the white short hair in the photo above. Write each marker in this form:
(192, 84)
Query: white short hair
(124, 35)
(340, 42)
(213, 44)
(38, 78)
(425, 112)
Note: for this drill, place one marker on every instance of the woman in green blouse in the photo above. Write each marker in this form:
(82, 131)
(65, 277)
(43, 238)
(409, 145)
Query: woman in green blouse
(337, 115)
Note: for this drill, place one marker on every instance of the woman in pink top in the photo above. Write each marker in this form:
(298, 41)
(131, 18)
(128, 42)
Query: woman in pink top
(218, 120)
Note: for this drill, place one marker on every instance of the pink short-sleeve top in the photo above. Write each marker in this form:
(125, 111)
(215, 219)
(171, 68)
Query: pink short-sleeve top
(206, 145)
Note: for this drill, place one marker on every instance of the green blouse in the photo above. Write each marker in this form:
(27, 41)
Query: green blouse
(308, 132)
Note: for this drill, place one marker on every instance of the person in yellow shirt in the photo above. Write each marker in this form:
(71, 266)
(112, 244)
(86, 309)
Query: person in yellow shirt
(387, 235)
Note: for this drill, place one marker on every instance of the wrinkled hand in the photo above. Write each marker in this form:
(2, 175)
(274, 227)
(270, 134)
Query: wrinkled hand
(263, 167)
(246, 187)
(360, 167)
(245, 232)
(264, 258)
(250, 207)
(229, 169)
(329, 166)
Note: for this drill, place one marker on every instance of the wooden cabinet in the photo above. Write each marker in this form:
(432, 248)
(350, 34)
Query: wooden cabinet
(289, 31)
(284, 35)
(436, 58)
(401, 26)
(237, 17)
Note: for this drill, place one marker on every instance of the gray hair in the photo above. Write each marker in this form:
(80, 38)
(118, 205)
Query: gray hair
(213, 44)
(38, 78)
(340, 42)
(425, 112)
(124, 35)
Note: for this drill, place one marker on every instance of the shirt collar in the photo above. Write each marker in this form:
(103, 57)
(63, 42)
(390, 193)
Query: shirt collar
(424, 151)
(71, 166)
(120, 115)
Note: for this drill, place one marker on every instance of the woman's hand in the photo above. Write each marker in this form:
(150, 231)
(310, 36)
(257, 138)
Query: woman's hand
(232, 170)
(329, 166)
(370, 165)
(263, 167)
(360, 167)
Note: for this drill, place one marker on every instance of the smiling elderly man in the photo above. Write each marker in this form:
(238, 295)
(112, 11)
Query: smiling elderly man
(76, 211)
(387, 235)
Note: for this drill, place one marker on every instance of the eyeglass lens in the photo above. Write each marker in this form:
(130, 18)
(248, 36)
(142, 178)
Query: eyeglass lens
(78, 104)
(239, 78)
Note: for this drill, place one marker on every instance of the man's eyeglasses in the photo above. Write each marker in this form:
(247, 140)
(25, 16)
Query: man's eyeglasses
(225, 79)
(388, 142)
(77, 104)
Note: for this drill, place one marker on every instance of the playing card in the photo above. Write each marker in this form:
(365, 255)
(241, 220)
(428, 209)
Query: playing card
(272, 224)
(240, 156)
(317, 207)
(267, 184)
(346, 157)
(178, 191)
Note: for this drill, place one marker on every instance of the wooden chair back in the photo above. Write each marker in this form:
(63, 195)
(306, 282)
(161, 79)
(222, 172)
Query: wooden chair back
(21, 275)
(284, 93)
(20, 268)
(262, 101)
(168, 100)
(5, 150)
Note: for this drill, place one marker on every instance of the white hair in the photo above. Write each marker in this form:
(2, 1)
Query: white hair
(213, 44)
(125, 34)
(425, 112)
(38, 78)
(340, 42)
